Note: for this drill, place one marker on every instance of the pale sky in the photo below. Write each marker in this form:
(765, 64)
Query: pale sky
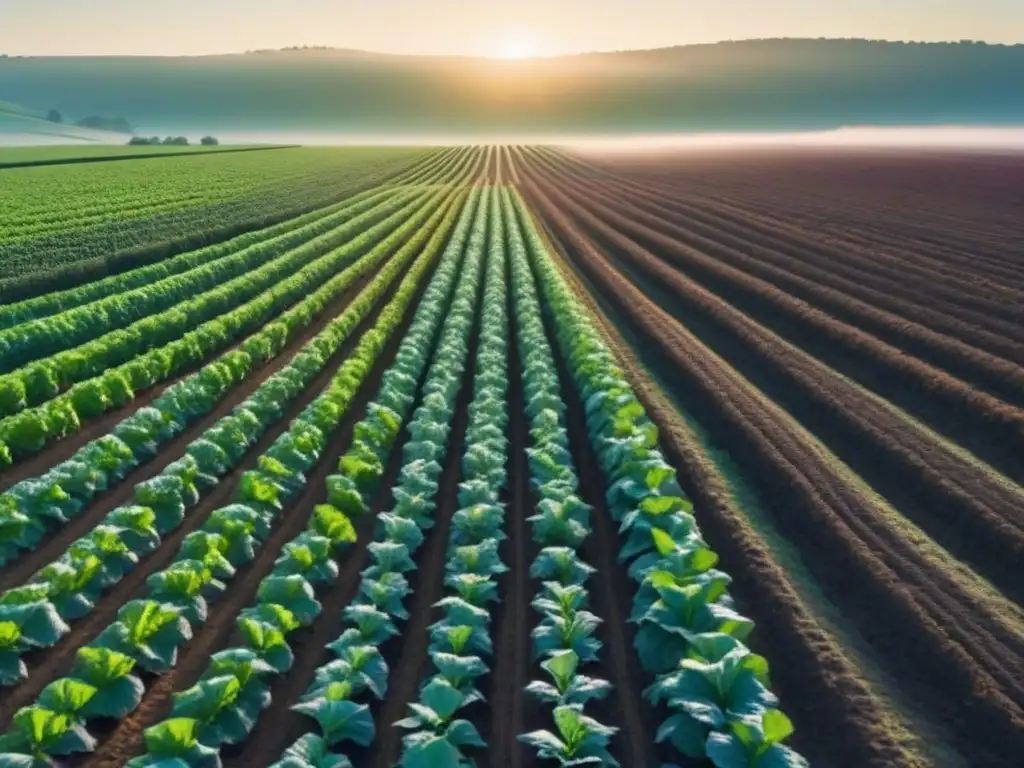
(478, 27)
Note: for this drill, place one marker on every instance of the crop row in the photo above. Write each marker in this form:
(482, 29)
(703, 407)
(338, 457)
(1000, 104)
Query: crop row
(334, 699)
(374, 438)
(148, 632)
(39, 338)
(564, 638)
(690, 639)
(32, 507)
(92, 353)
(291, 183)
(31, 430)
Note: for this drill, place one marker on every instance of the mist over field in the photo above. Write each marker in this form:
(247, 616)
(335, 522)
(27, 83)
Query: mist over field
(767, 86)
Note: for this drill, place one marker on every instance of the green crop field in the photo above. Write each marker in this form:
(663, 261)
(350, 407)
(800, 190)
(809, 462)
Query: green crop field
(506, 456)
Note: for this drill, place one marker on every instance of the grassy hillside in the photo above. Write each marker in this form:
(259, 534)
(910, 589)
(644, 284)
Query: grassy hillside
(752, 85)
(19, 124)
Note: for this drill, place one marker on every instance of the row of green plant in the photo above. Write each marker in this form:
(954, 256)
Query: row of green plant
(31, 430)
(564, 638)
(336, 698)
(92, 353)
(39, 339)
(124, 214)
(195, 732)
(461, 646)
(66, 588)
(223, 705)
(32, 507)
(689, 638)
(286, 234)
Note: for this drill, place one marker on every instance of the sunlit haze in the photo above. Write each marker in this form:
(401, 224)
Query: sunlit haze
(472, 27)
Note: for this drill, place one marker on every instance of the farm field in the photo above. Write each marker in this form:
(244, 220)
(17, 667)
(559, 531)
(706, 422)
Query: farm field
(127, 213)
(513, 456)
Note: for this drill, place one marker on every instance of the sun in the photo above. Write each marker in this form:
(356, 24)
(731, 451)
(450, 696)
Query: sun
(517, 45)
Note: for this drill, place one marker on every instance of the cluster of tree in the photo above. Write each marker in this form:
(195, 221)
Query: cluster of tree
(170, 141)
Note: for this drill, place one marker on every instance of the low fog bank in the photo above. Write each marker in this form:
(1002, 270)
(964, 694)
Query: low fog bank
(910, 137)
(869, 137)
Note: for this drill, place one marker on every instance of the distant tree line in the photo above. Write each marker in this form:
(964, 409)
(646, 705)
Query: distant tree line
(170, 141)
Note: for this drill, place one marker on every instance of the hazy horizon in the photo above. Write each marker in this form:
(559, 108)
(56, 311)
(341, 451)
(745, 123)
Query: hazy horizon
(468, 27)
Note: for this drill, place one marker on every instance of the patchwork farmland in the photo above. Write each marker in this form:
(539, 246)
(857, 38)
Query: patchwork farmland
(511, 456)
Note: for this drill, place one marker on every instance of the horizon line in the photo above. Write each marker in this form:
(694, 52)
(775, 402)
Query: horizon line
(537, 57)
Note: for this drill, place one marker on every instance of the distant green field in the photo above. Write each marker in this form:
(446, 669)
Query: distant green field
(139, 211)
(44, 155)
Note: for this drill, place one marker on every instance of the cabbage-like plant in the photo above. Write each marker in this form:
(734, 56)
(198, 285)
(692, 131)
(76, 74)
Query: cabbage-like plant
(332, 523)
(118, 692)
(475, 589)
(41, 733)
(388, 557)
(67, 696)
(679, 613)
(560, 564)
(472, 525)
(210, 549)
(567, 686)
(260, 490)
(175, 742)
(482, 559)
(574, 632)
(168, 496)
(707, 695)
(460, 639)
(104, 542)
(361, 666)
(181, 585)
(401, 530)
(212, 460)
(438, 737)
(657, 516)
(581, 740)
(417, 507)
(137, 528)
(291, 592)
(561, 524)
(24, 626)
(460, 672)
(308, 555)
(72, 585)
(17, 531)
(344, 494)
(268, 641)
(149, 632)
(340, 718)
(291, 480)
(371, 626)
(755, 742)
(386, 594)
(309, 751)
(213, 702)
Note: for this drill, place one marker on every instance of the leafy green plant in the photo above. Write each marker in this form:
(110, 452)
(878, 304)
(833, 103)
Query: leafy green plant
(438, 737)
(293, 593)
(147, 631)
(172, 740)
(581, 740)
(755, 742)
(340, 718)
(310, 751)
(567, 686)
(42, 733)
(117, 691)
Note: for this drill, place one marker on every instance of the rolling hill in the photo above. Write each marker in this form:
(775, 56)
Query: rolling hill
(750, 85)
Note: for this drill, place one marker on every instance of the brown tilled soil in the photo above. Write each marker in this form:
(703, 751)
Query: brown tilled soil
(931, 618)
